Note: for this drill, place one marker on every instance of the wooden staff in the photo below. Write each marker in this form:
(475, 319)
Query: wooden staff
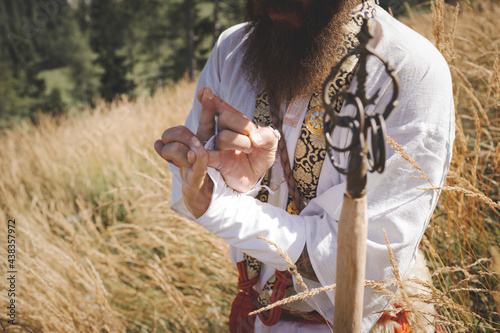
(351, 259)
(353, 223)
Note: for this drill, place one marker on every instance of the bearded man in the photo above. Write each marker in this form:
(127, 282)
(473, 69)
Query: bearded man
(249, 161)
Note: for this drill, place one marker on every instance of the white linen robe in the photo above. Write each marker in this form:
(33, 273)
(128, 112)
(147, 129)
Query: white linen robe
(423, 123)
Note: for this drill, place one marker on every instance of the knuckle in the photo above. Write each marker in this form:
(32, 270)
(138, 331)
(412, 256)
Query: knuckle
(177, 133)
(202, 155)
(169, 133)
(220, 143)
(177, 147)
(172, 151)
(225, 136)
(165, 134)
(180, 130)
(225, 118)
(268, 135)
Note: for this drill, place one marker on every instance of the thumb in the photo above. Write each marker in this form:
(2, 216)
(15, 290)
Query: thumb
(215, 158)
(206, 127)
(199, 168)
(265, 137)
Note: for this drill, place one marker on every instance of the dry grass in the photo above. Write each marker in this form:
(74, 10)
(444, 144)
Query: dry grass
(465, 226)
(98, 249)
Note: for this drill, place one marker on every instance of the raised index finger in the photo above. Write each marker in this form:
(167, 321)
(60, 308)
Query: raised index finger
(206, 127)
(229, 117)
(232, 119)
(220, 105)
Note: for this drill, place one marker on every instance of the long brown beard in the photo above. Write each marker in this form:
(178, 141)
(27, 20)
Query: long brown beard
(292, 62)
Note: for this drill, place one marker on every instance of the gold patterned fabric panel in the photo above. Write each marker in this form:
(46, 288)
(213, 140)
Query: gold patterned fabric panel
(265, 295)
(310, 151)
(364, 11)
(264, 298)
(262, 117)
(262, 114)
(253, 266)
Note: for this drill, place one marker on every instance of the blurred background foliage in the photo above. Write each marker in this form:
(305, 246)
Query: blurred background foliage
(60, 55)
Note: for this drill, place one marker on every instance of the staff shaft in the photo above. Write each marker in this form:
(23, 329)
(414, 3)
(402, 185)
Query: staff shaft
(351, 265)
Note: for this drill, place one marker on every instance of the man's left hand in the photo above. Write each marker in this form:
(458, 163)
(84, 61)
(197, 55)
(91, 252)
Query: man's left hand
(243, 152)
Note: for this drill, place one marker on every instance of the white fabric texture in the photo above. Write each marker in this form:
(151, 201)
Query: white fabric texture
(423, 123)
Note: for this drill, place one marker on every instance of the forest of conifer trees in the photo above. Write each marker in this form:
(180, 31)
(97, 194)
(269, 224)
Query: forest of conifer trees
(61, 54)
(57, 55)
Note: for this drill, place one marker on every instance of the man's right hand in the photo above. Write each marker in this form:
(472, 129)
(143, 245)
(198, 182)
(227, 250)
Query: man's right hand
(197, 186)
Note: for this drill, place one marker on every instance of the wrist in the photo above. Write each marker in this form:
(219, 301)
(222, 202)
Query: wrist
(201, 201)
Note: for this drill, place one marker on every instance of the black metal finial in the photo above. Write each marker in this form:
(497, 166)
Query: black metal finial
(364, 126)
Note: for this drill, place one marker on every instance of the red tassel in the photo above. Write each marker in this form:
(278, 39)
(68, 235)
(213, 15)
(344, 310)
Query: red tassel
(283, 280)
(401, 318)
(243, 304)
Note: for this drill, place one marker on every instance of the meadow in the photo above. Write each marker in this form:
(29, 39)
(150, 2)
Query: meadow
(99, 250)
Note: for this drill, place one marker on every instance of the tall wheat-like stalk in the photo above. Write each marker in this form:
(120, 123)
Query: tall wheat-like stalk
(465, 227)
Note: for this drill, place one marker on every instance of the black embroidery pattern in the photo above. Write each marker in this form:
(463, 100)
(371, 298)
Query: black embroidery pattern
(262, 114)
(262, 117)
(253, 266)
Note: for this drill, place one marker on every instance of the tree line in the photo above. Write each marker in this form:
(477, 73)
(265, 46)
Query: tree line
(100, 49)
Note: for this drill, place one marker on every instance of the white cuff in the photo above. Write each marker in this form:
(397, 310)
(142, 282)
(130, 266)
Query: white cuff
(240, 220)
